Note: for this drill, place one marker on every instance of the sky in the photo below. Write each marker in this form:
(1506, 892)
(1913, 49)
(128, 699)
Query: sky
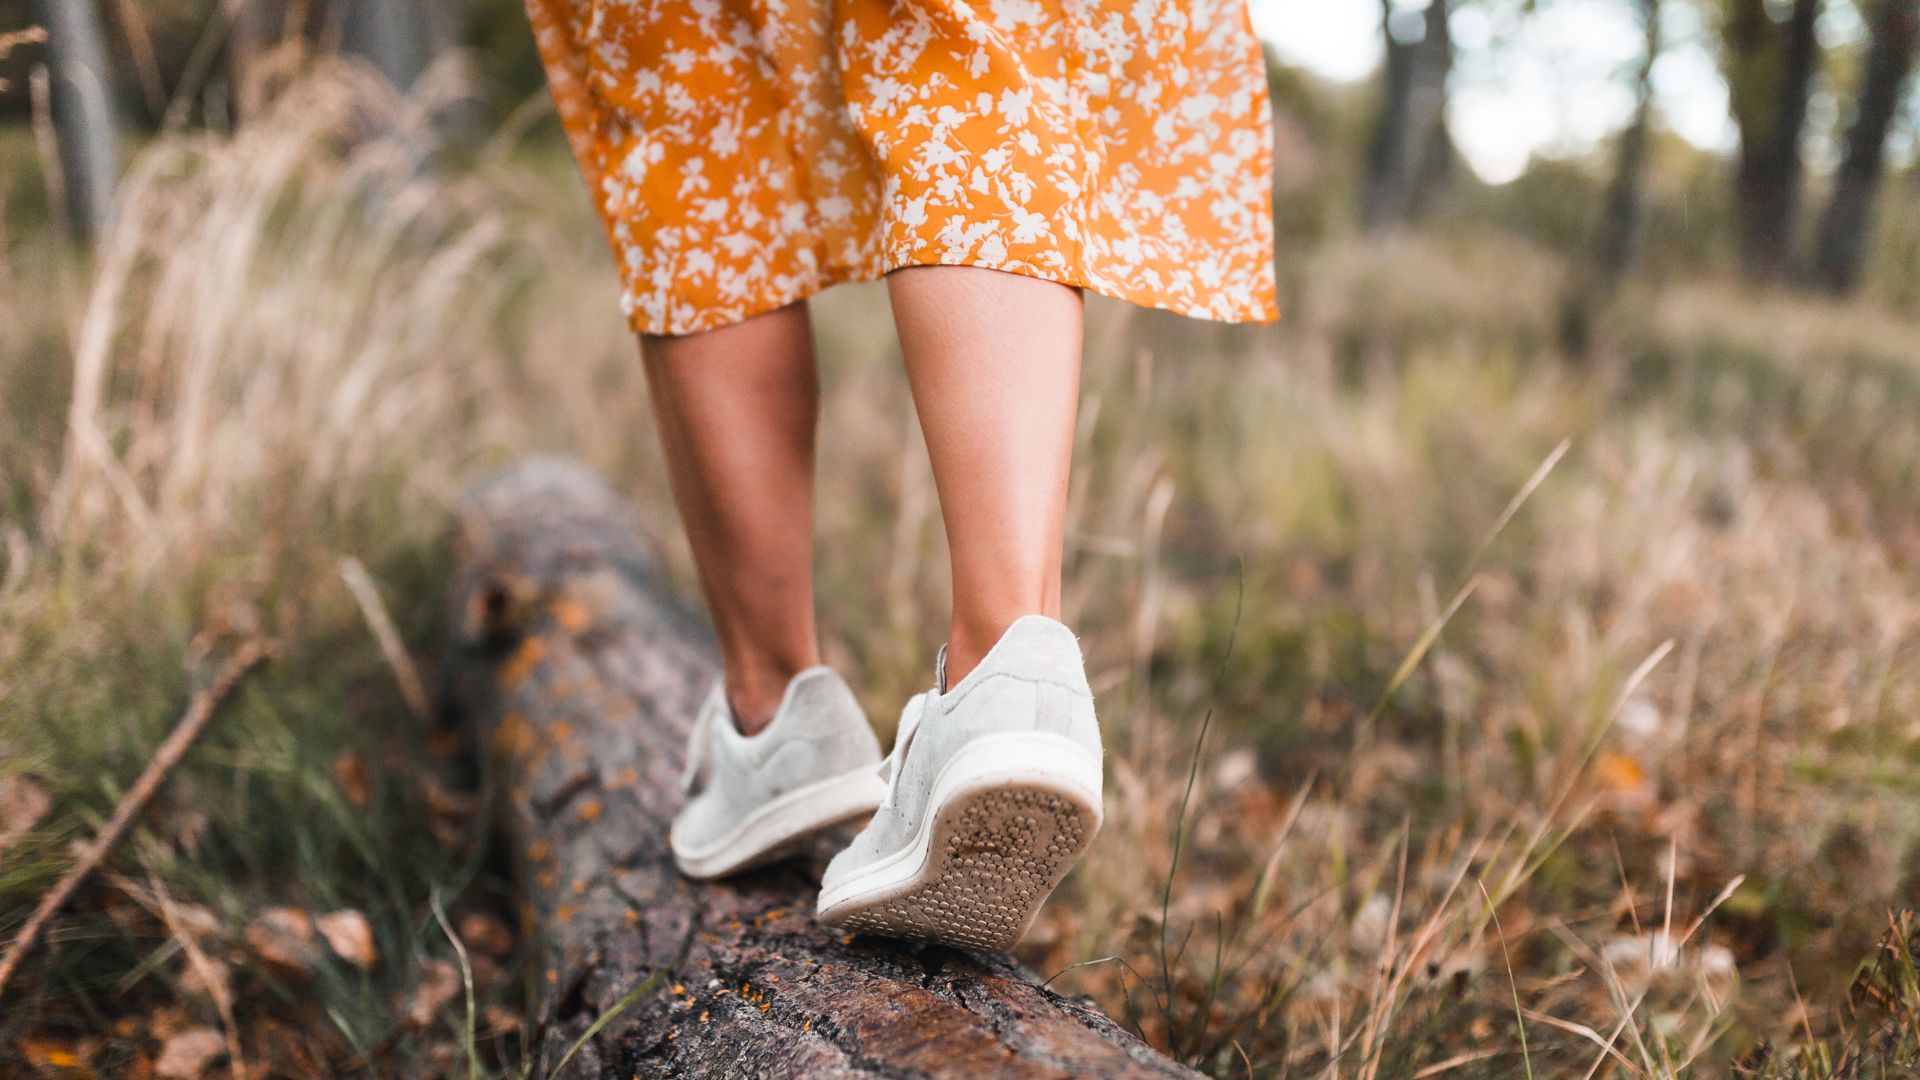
(1557, 85)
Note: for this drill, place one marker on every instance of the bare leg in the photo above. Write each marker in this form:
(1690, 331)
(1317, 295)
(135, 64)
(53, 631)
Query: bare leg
(994, 362)
(737, 408)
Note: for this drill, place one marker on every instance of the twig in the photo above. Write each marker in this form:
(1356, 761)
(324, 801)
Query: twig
(199, 711)
(32, 35)
(1440, 1067)
(374, 610)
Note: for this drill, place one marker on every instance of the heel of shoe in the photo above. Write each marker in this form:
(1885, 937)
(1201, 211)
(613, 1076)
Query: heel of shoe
(1025, 759)
(1009, 816)
(1037, 649)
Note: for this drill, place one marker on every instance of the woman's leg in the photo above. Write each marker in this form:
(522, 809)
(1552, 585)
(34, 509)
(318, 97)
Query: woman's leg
(994, 362)
(737, 409)
(998, 794)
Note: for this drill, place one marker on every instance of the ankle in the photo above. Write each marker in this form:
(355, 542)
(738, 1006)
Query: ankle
(752, 705)
(969, 642)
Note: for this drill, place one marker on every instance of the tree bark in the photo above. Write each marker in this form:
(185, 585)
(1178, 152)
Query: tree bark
(84, 119)
(1848, 222)
(1770, 81)
(1411, 130)
(580, 671)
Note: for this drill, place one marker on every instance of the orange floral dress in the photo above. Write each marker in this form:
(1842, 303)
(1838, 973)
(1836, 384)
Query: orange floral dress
(745, 154)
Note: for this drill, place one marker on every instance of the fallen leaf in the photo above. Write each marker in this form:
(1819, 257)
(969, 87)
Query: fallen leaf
(487, 972)
(283, 1050)
(351, 777)
(188, 1054)
(283, 937)
(164, 1021)
(502, 1020)
(350, 938)
(193, 918)
(462, 805)
(450, 813)
(439, 982)
(48, 1054)
(210, 979)
(486, 933)
(1619, 772)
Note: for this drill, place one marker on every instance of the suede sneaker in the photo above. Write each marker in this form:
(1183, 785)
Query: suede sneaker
(993, 794)
(765, 796)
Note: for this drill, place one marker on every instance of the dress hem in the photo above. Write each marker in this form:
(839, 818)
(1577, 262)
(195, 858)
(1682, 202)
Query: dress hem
(1263, 312)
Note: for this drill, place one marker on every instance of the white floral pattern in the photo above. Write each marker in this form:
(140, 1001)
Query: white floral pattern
(745, 154)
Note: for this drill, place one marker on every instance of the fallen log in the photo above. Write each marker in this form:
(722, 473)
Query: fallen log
(580, 671)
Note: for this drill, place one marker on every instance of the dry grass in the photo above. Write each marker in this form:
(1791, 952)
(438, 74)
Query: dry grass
(1643, 803)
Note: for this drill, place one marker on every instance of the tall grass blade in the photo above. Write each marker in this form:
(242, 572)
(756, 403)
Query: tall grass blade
(1513, 984)
(469, 1042)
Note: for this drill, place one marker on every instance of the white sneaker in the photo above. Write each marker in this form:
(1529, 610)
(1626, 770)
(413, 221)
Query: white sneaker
(765, 796)
(993, 794)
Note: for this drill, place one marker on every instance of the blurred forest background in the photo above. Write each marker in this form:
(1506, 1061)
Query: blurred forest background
(1511, 659)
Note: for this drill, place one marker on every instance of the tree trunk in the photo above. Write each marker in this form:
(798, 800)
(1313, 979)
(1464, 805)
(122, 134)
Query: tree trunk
(1848, 222)
(84, 120)
(580, 671)
(1624, 218)
(1771, 78)
(1411, 129)
(389, 34)
(1617, 233)
(400, 38)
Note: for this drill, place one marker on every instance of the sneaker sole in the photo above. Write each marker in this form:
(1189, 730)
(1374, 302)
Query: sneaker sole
(783, 826)
(1010, 815)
